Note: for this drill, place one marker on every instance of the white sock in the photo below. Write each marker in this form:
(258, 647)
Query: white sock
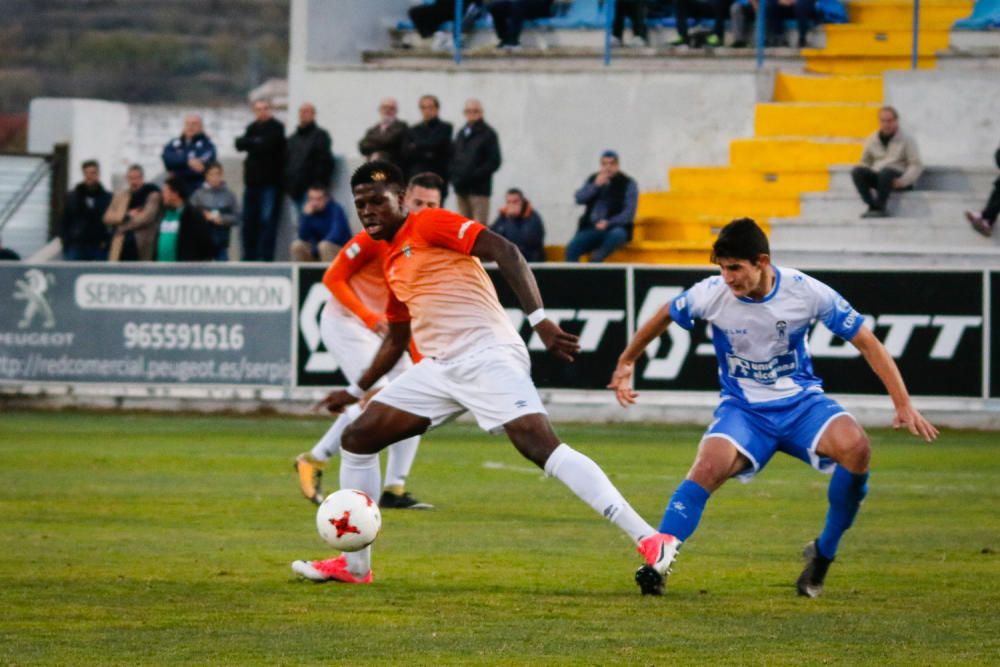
(400, 460)
(360, 471)
(329, 444)
(586, 479)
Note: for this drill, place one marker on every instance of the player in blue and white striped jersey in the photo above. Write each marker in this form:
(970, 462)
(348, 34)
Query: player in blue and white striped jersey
(771, 398)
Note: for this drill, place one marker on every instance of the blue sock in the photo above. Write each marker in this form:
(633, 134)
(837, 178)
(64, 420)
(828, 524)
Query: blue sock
(846, 492)
(684, 510)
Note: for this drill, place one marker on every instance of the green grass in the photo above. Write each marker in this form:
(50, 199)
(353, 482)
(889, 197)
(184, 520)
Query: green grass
(132, 539)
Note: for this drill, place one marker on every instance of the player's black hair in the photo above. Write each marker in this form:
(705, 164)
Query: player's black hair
(89, 163)
(429, 180)
(378, 171)
(741, 239)
(177, 185)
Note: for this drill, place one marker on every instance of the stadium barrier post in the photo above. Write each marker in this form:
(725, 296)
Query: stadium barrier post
(609, 17)
(456, 31)
(916, 31)
(760, 31)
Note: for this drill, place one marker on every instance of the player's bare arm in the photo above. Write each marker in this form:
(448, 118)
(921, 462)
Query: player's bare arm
(393, 346)
(885, 368)
(622, 378)
(491, 247)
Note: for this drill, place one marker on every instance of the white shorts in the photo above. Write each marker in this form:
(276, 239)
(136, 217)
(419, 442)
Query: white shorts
(493, 383)
(354, 345)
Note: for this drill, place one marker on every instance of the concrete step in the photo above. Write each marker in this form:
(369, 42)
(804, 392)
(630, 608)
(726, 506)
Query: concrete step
(677, 204)
(819, 62)
(876, 232)
(915, 204)
(937, 14)
(860, 38)
(733, 181)
(815, 119)
(825, 255)
(664, 252)
(977, 182)
(785, 153)
(805, 88)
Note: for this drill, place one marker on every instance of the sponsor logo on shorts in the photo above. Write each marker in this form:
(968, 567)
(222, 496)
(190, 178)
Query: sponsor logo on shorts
(520, 403)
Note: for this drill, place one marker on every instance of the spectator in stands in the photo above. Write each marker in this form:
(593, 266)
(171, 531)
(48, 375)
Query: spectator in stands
(522, 226)
(187, 155)
(779, 11)
(84, 235)
(475, 157)
(890, 161)
(219, 206)
(714, 9)
(308, 158)
(264, 143)
(323, 228)
(425, 190)
(611, 198)
(428, 17)
(428, 143)
(385, 138)
(134, 213)
(985, 221)
(635, 11)
(509, 17)
(185, 235)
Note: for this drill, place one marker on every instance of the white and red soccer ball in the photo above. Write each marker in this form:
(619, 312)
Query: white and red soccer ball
(348, 520)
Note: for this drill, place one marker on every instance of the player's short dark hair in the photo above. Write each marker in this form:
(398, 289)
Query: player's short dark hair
(432, 98)
(741, 239)
(516, 191)
(429, 180)
(89, 163)
(177, 185)
(135, 167)
(378, 171)
(213, 165)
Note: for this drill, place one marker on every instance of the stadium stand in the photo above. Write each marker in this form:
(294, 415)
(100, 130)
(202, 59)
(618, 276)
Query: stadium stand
(816, 121)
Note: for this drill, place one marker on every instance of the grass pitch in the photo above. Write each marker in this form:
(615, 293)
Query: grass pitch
(132, 539)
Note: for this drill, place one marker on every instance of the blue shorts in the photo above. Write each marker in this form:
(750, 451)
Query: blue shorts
(758, 431)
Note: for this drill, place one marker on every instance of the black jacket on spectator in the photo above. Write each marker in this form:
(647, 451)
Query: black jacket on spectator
(264, 144)
(83, 217)
(474, 159)
(387, 143)
(525, 231)
(308, 160)
(194, 237)
(428, 148)
(618, 187)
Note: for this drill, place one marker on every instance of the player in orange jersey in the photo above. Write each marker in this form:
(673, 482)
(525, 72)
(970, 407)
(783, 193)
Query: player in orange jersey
(351, 327)
(474, 359)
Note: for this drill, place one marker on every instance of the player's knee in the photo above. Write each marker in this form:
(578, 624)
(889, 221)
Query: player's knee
(708, 474)
(857, 453)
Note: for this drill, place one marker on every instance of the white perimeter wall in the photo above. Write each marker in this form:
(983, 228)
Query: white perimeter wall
(953, 113)
(552, 125)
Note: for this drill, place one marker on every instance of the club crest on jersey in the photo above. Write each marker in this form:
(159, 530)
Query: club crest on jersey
(781, 326)
(407, 251)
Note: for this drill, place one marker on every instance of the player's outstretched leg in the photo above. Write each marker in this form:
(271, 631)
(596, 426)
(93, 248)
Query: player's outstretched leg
(309, 465)
(716, 462)
(845, 494)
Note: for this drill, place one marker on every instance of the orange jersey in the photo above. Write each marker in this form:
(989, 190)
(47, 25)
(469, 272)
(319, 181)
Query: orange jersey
(356, 281)
(442, 289)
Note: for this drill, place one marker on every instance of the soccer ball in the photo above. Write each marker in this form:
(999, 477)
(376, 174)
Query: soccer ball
(348, 520)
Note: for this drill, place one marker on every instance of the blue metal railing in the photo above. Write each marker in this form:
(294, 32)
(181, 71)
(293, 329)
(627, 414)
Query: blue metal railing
(760, 31)
(916, 32)
(457, 30)
(609, 18)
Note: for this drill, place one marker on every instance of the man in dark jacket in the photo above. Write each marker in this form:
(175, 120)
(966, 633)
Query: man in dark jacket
(187, 155)
(611, 198)
(384, 140)
(309, 158)
(522, 226)
(264, 144)
(475, 157)
(428, 143)
(184, 235)
(84, 235)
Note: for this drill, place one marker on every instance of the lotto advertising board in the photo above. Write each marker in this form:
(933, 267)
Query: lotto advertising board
(146, 324)
(931, 322)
